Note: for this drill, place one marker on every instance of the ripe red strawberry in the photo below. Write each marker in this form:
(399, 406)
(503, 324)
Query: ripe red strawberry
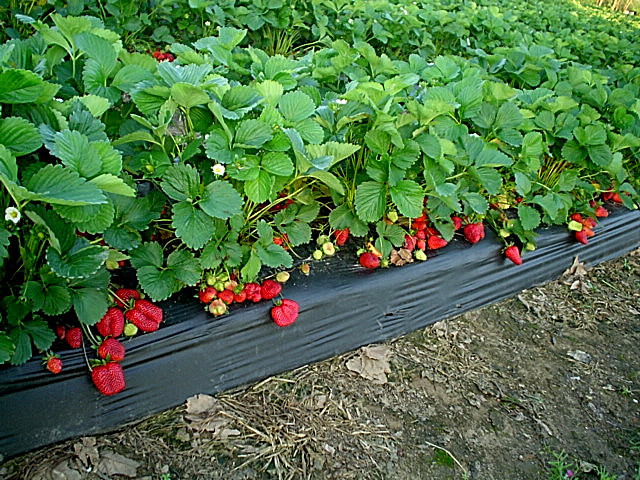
(616, 198)
(253, 291)
(435, 242)
(54, 365)
(123, 295)
(341, 236)
(419, 225)
(409, 242)
(108, 378)
(606, 196)
(207, 294)
(149, 309)
(474, 232)
(270, 289)
(457, 222)
(112, 323)
(581, 236)
(74, 337)
(513, 254)
(423, 217)
(278, 240)
(226, 296)
(369, 260)
(421, 235)
(285, 312)
(240, 297)
(421, 245)
(141, 321)
(111, 350)
(61, 331)
(589, 222)
(430, 232)
(601, 212)
(576, 217)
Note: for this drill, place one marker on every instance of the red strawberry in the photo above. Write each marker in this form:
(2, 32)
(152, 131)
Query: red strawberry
(409, 242)
(54, 365)
(430, 232)
(368, 260)
(589, 222)
(169, 57)
(226, 296)
(576, 217)
(253, 291)
(74, 337)
(423, 217)
(341, 236)
(285, 312)
(108, 378)
(457, 222)
(607, 196)
(61, 332)
(149, 309)
(278, 240)
(421, 235)
(421, 245)
(601, 212)
(474, 232)
(112, 323)
(616, 198)
(513, 254)
(111, 350)
(240, 296)
(141, 321)
(581, 236)
(419, 225)
(270, 289)
(435, 242)
(124, 294)
(207, 294)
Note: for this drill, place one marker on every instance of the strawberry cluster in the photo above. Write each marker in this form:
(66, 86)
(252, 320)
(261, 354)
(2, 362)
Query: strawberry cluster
(582, 227)
(219, 292)
(162, 56)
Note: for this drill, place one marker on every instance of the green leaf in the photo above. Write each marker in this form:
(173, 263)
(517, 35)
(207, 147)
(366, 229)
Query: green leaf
(240, 100)
(508, 116)
(6, 347)
(192, 225)
(490, 157)
(296, 106)
(408, 197)
(567, 181)
(158, 284)
(271, 91)
(252, 268)
(600, 155)
(308, 213)
(22, 342)
(377, 141)
(371, 200)
(430, 145)
(90, 304)
(274, 256)
(95, 104)
(277, 163)
(184, 267)
(329, 179)
(188, 96)
(8, 165)
(477, 202)
(74, 151)
(132, 215)
(299, 233)
(523, 184)
(572, 152)
(20, 86)
(147, 255)
(310, 131)
(19, 136)
(394, 233)
(181, 182)
(489, 178)
(221, 200)
(51, 299)
(252, 134)
(532, 146)
(217, 146)
(4, 243)
(97, 48)
(40, 333)
(258, 190)
(529, 217)
(81, 261)
(112, 184)
(58, 185)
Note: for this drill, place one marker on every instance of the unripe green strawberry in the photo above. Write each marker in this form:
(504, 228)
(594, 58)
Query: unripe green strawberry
(130, 330)
(282, 277)
(210, 279)
(305, 268)
(322, 239)
(217, 307)
(420, 255)
(328, 248)
(392, 216)
(317, 254)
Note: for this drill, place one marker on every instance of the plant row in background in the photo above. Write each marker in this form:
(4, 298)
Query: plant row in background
(203, 164)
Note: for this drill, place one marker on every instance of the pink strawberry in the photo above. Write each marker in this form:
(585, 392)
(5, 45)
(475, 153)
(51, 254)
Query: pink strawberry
(457, 222)
(513, 254)
(108, 378)
(111, 350)
(409, 242)
(270, 289)
(112, 323)
(74, 337)
(369, 260)
(436, 242)
(421, 245)
(421, 235)
(217, 308)
(474, 232)
(123, 295)
(589, 222)
(207, 294)
(284, 313)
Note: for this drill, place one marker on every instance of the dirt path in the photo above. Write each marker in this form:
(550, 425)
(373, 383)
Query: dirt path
(497, 393)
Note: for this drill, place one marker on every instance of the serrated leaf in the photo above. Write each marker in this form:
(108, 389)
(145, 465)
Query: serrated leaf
(477, 202)
(600, 155)
(40, 333)
(270, 91)
(158, 284)
(97, 48)
(529, 217)
(252, 134)
(258, 190)
(394, 233)
(22, 351)
(6, 348)
(221, 200)
(184, 267)
(370, 201)
(58, 185)
(188, 96)
(329, 179)
(310, 131)
(8, 165)
(277, 163)
(572, 152)
(112, 184)
(74, 151)
(217, 146)
(19, 136)
(240, 100)
(251, 269)
(296, 106)
(147, 255)
(523, 184)
(90, 304)
(274, 256)
(20, 86)
(408, 196)
(430, 145)
(82, 260)
(192, 225)
(181, 182)
(508, 116)
(489, 178)
(299, 233)
(490, 157)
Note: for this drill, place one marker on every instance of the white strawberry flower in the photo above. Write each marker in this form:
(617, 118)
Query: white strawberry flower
(341, 101)
(218, 169)
(12, 214)
(207, 23)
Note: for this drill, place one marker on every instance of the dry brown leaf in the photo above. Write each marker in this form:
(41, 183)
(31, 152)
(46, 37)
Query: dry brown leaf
(113, 463)
(201, 403)
(204, 414)
(86, 451)
(576, 268)
(372, 363)
(63, 471)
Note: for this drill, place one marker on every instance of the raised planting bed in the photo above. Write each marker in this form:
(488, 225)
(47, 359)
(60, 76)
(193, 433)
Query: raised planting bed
(343, 306)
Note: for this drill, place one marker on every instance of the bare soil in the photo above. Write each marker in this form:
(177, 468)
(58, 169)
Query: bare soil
(496, 393)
